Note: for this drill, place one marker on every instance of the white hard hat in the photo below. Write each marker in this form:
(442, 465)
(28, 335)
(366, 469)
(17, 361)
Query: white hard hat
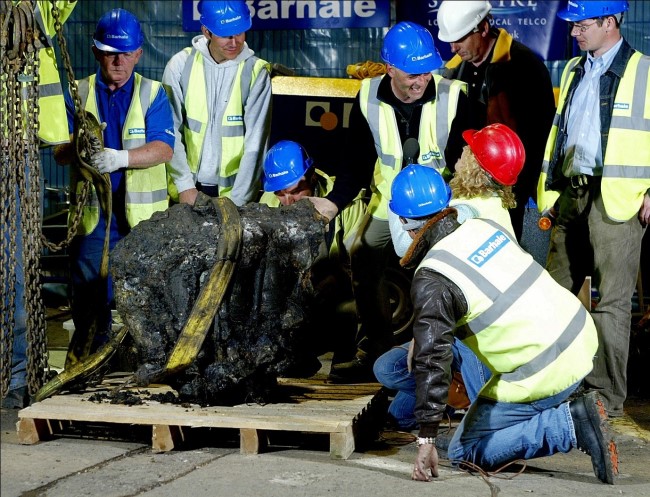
(458, 18)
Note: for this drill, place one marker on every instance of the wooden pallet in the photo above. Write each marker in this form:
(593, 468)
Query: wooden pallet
(313, 406)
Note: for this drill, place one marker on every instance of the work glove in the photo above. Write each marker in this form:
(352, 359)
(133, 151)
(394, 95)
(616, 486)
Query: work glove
(109, 160)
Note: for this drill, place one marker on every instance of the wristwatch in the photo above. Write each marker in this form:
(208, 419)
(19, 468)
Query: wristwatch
(426, 441)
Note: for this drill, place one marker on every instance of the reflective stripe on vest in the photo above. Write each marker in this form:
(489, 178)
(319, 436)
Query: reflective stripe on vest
(53, 121)
(534, 335)
(231, 129)
(146, 189)
(435, 123)
(626, 166)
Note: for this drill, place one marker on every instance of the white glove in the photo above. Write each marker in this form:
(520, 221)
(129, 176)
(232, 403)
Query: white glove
(109, 160)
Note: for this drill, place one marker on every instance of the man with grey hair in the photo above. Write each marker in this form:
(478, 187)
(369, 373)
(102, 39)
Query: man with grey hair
(506, 83)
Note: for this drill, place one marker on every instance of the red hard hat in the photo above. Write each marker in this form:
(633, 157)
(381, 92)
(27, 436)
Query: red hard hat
(498, 150)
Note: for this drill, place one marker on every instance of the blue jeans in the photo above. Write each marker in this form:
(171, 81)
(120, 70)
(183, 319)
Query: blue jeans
(391, 370)
(19, 349)
(494, 433)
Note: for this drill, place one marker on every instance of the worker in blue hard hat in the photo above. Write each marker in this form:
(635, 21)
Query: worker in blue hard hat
(137, 141)
(409, 101)
(474, 283)
(595, 181)
(221, 96)
(289, 176)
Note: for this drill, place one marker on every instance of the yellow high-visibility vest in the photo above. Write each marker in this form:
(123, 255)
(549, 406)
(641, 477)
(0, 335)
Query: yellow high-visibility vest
(53, 121)
(626, 165)
(232, 124)
(435, 124)
(146, 189)
(534, 335)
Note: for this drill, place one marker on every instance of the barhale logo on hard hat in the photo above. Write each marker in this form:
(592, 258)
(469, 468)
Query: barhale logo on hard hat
(275, 175)
(428, 202)
(233, 19)
(119, 37)
(422, 57)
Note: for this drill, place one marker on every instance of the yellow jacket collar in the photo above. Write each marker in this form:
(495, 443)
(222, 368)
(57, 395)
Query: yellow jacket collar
(501, 51)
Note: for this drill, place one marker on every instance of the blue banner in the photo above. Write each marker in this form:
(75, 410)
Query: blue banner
(533, 23)
(302, 14)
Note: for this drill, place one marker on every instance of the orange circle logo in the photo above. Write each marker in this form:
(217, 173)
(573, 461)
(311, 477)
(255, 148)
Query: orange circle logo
(329, 121)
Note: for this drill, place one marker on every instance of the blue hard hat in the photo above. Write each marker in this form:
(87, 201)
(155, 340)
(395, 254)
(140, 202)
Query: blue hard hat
(579, 11)
(418, 191)
(225, 18)
(409, 47)
(284, 165)
(118, 31)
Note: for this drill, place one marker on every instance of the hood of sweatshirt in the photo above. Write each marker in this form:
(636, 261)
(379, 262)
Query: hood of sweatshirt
(200, 42)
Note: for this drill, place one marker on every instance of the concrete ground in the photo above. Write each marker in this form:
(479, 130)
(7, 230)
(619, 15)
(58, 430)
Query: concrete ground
(95, 464)
(297, 465)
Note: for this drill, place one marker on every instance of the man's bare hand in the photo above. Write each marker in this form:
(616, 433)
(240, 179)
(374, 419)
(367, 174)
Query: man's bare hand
(325, 208)
(426, 460)
(188, 196)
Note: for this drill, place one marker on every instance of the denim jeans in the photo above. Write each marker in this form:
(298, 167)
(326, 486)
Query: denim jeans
(391, 370)
(494, 433)
(19, 349)
(585, 242)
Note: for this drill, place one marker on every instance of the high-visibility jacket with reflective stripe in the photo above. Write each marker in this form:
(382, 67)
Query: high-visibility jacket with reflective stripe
(232, 129)
(346, 224)
(146, 189)
(53, 121)
(626, 164)
(435, 123)
(534, 335)
(488, 208)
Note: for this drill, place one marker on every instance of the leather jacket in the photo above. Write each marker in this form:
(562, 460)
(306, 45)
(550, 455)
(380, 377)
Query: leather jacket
(439, 304)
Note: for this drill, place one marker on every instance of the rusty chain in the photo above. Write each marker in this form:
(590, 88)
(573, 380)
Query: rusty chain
(82, 198)
(19, 45)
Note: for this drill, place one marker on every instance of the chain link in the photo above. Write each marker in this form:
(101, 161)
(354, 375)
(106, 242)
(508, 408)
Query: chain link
(21, 188)
(84, 123)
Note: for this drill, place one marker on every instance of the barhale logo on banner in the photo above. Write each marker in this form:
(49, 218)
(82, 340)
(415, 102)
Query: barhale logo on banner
(303, 14)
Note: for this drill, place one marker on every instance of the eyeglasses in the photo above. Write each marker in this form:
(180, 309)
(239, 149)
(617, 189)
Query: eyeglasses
(580, 27)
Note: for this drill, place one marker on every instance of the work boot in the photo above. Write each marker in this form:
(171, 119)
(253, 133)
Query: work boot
(358, 370)
(592, 435)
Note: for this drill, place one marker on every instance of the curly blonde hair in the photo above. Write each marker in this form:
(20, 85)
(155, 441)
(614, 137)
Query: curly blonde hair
(471, 180)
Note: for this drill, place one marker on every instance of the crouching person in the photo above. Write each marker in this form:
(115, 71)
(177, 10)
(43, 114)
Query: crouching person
(475, 283)
(290, 175)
